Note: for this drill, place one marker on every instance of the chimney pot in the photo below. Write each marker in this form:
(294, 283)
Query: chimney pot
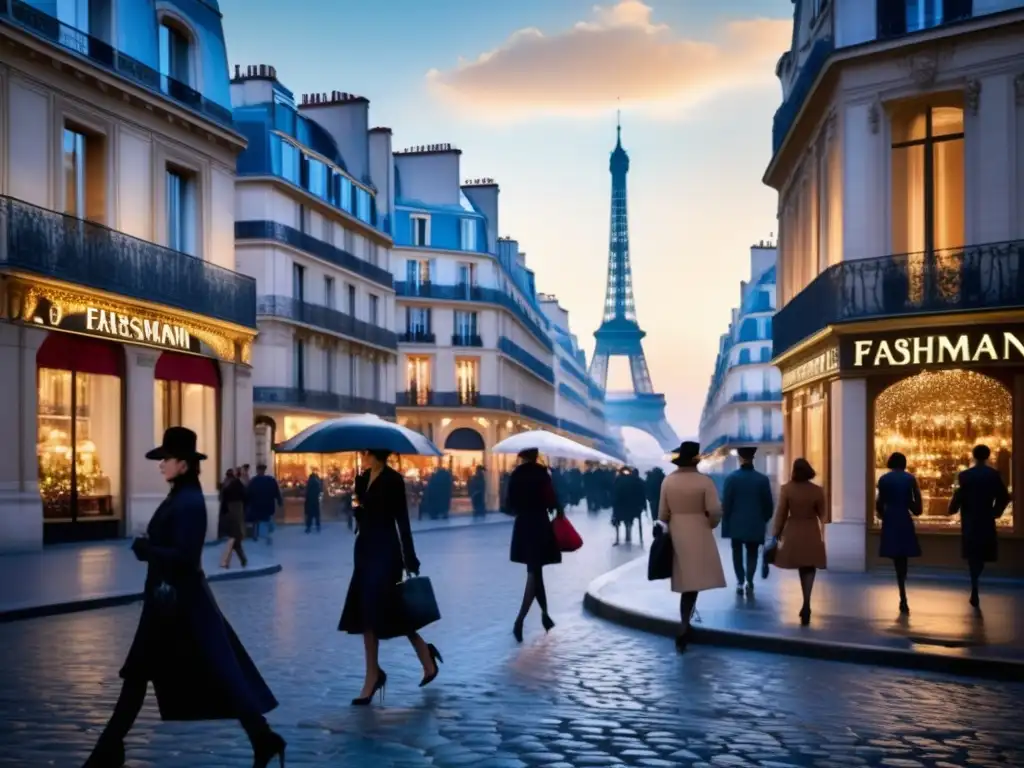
(238, 70)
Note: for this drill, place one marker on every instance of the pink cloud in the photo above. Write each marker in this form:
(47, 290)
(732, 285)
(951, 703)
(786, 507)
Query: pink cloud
(618, 54)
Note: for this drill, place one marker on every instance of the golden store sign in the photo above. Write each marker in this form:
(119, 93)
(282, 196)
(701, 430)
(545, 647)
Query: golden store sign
(817, 367)
(92, 316)
(960, 347)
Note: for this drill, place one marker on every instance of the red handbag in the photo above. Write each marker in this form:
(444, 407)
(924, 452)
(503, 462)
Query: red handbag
(566, 536)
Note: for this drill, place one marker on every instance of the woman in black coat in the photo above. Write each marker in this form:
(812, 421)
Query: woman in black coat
(183, 644)
(531, 497)
(383, 550)
(898, 503)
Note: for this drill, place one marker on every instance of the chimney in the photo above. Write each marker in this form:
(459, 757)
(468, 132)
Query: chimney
(255, 84)
(430, 173)
(346, 118)
(382, 174)
(483, 194)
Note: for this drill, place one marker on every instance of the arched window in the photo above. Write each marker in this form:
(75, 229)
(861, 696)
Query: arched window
(187, 394)
(177, 54)
(80, 437)
(935, 420)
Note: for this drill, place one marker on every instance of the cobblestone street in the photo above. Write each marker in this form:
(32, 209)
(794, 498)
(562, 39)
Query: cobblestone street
(587, 694)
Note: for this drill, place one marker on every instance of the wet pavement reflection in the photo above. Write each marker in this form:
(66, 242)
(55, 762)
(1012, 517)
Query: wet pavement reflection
(586, 694)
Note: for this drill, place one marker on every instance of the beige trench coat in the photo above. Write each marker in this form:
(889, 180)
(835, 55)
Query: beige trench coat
(689, 504)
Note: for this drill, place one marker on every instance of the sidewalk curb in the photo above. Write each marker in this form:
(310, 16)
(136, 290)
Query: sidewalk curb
(126, 598)
(854, 653)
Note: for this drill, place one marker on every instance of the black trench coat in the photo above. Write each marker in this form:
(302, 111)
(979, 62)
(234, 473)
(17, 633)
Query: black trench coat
(197, 665)
(383, 550)
(980, 498)
(531, 496)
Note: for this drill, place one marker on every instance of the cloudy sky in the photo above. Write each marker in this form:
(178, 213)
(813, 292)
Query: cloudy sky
(529, 90)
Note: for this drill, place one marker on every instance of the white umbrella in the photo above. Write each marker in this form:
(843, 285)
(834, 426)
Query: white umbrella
(552, 445)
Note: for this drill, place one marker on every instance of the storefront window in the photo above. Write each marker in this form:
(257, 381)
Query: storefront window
(79, 434)
(337, 473)
(185, 395)
(936, 419)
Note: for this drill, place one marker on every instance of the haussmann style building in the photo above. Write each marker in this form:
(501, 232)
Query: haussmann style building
(313, 218)
(743, 407)
(899, 162)
(120, 312)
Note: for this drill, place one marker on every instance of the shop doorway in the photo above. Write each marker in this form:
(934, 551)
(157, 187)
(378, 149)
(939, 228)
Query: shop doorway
(79, 442)
(464, 452)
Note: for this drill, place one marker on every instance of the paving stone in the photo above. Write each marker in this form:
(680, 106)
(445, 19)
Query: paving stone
(586, 694)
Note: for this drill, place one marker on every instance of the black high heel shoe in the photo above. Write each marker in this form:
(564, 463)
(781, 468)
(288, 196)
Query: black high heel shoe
(805, 616)
(382, 680)
(271, 746)
(517, 631)
(546, 622)
(106, 754)
(435, 656)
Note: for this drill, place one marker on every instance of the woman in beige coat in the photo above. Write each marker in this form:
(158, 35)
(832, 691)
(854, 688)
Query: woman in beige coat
(689, 508)
(800, 527)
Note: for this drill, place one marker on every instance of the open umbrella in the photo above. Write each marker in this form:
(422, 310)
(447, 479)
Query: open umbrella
(553, 445)
(358, 433)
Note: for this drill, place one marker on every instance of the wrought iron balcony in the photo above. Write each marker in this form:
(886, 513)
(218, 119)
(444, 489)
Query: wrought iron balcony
(764, 396)
(30, 19)
(328, 402)
(332, 320)
(539, 368)
(465, 292)
(743, 438)
(50, 244)
(416, 336)
(466, 340)
(282, 233)
(981, 277)
(425, 398)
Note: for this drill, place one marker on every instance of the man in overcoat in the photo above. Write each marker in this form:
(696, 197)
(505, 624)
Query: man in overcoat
(981, 498)
(747, 508)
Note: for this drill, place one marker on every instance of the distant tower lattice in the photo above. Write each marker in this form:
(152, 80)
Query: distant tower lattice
(620, 334)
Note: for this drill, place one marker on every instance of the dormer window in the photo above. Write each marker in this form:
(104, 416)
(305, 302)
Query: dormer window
(175, 54)
(468, 234)
(420, 234)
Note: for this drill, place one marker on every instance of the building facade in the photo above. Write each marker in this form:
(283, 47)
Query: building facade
(313, 214)
(477, 351)
(744, 401)
(899, 162)
(120, 312)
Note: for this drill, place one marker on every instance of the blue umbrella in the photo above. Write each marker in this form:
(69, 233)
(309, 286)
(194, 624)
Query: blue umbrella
(358, 433)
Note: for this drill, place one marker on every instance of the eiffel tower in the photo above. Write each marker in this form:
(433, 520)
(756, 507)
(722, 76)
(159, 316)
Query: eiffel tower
(620, 334)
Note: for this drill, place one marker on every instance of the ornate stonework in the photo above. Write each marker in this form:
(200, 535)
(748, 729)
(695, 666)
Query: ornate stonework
(875, 116)
(972, 95)
(923, 67)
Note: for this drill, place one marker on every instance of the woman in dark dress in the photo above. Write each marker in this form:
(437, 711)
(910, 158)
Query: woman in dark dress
(183, 645)
(383, 550)
(531, 497)
(898, 502)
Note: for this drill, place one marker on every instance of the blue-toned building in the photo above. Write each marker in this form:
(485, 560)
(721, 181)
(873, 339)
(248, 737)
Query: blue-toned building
(743, 406)
(120, 310)
(313, 200)
(896, 153)
(478, 353)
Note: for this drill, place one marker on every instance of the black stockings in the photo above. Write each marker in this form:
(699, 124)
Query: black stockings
(129, 704)
(687, 602)
(534, 591)
(807, 585)
(976, 568)
(900, 564)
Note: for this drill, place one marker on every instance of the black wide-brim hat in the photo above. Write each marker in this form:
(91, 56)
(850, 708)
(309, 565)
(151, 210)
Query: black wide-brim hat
(747, 451)
(686, 454)
(179, 443)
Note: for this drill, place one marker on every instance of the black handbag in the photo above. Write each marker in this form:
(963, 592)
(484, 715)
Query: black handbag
(771, 549)
(165, 598)
(418, 604)
(659, 560)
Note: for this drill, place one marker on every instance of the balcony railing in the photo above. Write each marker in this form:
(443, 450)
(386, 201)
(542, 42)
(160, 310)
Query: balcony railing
(417, 337)
(282, 233)
(419, 398)
(327, 319)
(465, 292)
(981, 277)
(764, 396)
(525, 359)
(329, 402)
(35, 21)
(743, 438)
(61, 247)
(466, 340)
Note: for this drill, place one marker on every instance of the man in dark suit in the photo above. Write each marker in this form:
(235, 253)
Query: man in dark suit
(747, 507)
(980, 498)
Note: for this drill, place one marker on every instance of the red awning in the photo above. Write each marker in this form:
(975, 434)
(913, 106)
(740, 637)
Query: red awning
(188, 369)
(70, 352)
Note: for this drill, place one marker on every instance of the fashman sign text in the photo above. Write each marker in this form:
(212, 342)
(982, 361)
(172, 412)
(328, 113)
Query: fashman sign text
(938, 350)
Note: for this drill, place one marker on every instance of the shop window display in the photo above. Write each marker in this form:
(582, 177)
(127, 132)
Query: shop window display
(185, 395)
(935, 419)
(337, 472)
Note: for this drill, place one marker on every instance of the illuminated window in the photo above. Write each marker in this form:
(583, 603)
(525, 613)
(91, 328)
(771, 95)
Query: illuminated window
(935, 420)
(417, 379)
(467, 379)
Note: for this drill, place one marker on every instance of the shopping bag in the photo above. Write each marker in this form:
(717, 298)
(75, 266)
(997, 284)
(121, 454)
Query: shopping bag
(659, 559)
(566, 536)
(418, 604)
